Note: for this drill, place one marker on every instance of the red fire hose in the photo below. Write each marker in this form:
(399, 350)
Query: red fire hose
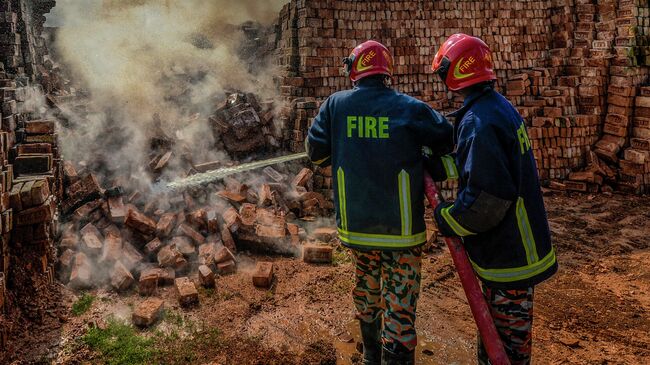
(479, 307)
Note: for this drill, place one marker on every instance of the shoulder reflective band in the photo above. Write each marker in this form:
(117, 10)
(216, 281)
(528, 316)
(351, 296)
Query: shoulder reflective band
(526, 232)
(458, 229)
(517, 273)
(405, 202)
(340, 180)
(381, 240)
(450, 167)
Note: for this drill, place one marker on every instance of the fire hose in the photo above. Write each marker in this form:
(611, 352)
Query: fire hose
(478, 305)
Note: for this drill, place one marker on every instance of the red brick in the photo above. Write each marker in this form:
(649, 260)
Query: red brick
(191, 233)
(165, 225)
(117, 209)
(184, 246)
(317, 254)
(231, 219)
(228, 267)
(140, 222)
(148, 282)
(152, 248)
(187, 293)
(170, 256)
(303, 178)
(81, 274)
(325, 234)
(91, 240)
(223, 254)
(206, 276)
(121, 277)
(148, 312)
(112, 250)
(263, 275)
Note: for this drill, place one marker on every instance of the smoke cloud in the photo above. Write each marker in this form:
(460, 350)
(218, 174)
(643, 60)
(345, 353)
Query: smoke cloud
(152, 66)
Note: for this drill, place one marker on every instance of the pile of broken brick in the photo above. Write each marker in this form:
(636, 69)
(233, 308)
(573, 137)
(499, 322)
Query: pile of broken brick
(126, 241)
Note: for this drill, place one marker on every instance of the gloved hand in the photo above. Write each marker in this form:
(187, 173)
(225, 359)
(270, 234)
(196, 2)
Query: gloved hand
(443, 227)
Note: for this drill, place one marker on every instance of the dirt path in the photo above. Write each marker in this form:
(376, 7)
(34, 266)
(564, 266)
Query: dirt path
(595, 311)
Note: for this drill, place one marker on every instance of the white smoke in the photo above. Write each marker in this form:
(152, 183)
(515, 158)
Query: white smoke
(150, 65)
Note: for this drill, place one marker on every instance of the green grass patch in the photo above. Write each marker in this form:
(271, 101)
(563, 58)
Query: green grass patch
(341, 256)
(83, 304)
(174, 318)
(120, 344)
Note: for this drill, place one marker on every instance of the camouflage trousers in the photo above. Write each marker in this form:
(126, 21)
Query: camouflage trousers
(388, 285)
(512, 311)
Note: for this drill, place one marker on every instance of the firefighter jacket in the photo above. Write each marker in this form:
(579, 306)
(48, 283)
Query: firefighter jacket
(373, 138)
(499, 211)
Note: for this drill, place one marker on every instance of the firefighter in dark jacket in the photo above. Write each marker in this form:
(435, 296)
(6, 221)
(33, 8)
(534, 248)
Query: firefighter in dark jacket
(373, 137)
(499, 211)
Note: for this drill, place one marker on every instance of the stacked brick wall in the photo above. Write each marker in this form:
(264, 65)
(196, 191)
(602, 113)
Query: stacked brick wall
(573, 69)
(30, 182)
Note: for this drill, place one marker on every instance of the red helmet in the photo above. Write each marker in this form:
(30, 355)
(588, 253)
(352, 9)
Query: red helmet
(468, 58)
(367, 59)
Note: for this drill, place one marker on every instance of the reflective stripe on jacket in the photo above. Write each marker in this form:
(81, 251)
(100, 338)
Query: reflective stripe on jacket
(373, 137)
(499, 210)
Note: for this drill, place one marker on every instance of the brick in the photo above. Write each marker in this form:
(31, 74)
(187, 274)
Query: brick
(227, 267)
(81, 273)
(232, 197)
(191, 233)
(40, 192)
(317, 254)
(206, 276)
(198, 219)
(121, 277)
(117, 209)
(65, 261)
(206, 253)
(184, 246)
(303, 178)
(248, 215)
(170, 256)
(39, 127)
(148, 312)
(187, 293)
(263, 275)
(223, 254)
(152, 248)
(325, 234)
(131, 257)
(91, 240)
(140, 222)
(112, 250)
(231, 219)
(26, 194)
(227, 239)
(165, 225)
(148, 283)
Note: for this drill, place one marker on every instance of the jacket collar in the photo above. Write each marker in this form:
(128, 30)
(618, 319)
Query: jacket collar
(470, 99)
(369, 82)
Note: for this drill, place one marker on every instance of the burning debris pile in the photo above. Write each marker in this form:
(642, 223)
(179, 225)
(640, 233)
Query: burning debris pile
(140, 239)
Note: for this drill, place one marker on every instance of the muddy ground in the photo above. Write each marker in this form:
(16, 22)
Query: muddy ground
(596, 310)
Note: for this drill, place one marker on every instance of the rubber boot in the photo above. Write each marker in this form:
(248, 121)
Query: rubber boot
(371, 338)
(402, 358)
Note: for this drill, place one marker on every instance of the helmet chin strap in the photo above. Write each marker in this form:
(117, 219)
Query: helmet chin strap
(347, 65)
(443, 70)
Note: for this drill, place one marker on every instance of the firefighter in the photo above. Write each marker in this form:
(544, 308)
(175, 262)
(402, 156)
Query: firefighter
(373, 136)
(499, 211)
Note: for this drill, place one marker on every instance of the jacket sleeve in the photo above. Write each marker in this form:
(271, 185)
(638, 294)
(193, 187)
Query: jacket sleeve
(319, 139)
(490, 190)
(436, 135)
(434, 131)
